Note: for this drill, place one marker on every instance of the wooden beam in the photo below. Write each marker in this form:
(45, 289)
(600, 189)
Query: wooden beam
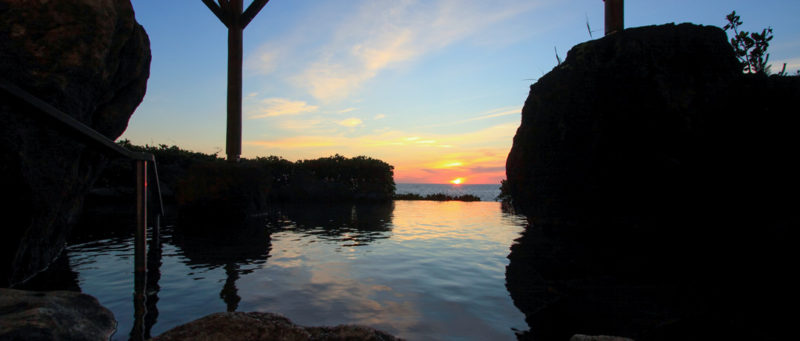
(225, 5)
(217, 11)
(252, 11)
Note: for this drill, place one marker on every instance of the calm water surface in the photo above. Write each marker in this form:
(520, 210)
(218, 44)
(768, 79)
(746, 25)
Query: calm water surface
(487, 192)
(421, 270)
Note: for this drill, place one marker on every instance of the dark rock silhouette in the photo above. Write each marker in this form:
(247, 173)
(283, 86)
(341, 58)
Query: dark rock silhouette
(90, 59)
(661, 191)
(55, 315)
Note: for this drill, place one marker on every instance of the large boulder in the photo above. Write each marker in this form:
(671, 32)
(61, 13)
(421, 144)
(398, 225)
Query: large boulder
(56, 315)
(660, 187)
(88, 58)
(266, 327)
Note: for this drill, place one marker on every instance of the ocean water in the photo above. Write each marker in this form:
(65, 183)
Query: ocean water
(485, 192)
(421, 270)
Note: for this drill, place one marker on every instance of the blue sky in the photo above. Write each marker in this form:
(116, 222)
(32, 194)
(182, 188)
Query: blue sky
(434, 87)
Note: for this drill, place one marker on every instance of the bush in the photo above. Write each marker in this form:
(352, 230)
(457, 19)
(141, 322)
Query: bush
(324, 179)
(750, 48)
(505, 192)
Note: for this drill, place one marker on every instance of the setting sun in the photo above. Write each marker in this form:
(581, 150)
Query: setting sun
(457, 181)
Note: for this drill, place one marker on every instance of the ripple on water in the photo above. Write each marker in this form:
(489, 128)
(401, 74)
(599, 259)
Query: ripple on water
(420, 270)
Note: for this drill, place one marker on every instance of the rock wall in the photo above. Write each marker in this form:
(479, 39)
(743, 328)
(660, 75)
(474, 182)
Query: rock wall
(660, 186)
(91, 60)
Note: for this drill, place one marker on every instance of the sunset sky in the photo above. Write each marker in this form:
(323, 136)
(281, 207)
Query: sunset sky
(433, 87)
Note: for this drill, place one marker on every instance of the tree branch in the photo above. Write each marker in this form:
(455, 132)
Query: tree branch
(252, 11)
(217, 11)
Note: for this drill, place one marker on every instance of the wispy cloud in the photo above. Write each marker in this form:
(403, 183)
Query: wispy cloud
(496, 113)
(271, 107)
(478, 156)
(304, 125)
(344, 111)
(498, 135)
(385, 34)
(265, 59)
(351, 122)
(299, 142)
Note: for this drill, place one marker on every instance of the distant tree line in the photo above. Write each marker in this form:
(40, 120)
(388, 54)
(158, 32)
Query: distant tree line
(437, 197)
(275, 178)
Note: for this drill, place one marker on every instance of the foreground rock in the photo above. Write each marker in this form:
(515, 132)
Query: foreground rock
(56, 315)
(661, 189)
(580, 337)
(88, 58)
(265, 327)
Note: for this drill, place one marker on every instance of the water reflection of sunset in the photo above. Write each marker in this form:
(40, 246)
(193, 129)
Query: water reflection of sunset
(416, 256)
(454, 219)
(416, 269)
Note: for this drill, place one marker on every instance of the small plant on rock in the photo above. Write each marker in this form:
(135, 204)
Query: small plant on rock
(750, 48)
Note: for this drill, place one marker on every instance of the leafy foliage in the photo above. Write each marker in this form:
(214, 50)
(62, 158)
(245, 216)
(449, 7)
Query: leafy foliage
(505, 192)
(337, 177)
(172, 163)
(750, 47)
(328, 178)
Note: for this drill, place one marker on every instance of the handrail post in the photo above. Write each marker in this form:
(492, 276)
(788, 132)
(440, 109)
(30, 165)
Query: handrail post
(154, 238)
(140, 251)
(140, 242)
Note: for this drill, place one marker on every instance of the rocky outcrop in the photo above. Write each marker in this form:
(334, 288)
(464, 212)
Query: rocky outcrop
(661, 190)
(265, 327)
(88, 58)
(56, 315)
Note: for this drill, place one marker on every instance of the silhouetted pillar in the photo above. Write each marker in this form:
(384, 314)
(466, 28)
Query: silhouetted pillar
(234, 135)
(230, 13)
(615, 16)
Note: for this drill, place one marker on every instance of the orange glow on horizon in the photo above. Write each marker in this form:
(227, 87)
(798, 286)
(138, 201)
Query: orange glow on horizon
(457, 181)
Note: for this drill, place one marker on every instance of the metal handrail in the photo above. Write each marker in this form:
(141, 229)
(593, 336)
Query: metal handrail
(142, 159)
(83, 131)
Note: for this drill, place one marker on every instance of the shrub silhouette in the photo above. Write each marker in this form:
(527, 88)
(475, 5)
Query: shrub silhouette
(323, 179)
(750, 47)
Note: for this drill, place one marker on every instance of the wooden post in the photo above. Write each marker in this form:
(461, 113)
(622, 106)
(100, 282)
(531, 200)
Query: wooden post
(615, 16)
(230, 13)
(234, 135)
